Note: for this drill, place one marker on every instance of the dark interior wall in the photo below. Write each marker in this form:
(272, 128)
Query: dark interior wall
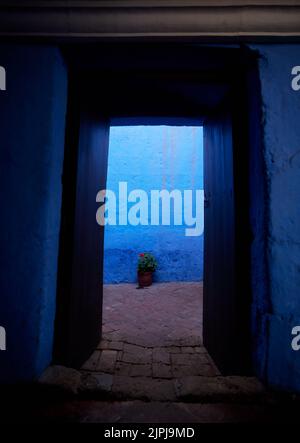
(32, 130)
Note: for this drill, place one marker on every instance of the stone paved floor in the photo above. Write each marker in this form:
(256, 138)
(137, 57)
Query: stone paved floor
(152, 351)
(150, 336)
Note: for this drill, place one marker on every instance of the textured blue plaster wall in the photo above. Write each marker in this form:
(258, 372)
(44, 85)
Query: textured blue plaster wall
(281, 135)
(32, 131)
(31, 156)
(154, 157)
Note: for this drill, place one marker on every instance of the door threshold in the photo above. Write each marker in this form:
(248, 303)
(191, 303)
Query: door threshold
(201, 389)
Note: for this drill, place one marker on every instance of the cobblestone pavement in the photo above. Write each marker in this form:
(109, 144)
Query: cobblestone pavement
(151, 350)
(152, 332)
(151, 337)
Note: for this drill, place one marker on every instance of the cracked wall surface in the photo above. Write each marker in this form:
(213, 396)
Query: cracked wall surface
(281, 149)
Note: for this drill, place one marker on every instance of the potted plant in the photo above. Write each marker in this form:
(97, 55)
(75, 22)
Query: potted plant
(146, 266)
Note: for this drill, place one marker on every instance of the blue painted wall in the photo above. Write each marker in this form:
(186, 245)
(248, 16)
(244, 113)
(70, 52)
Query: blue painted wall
(32, 137)
(32, 123)
(154, 157)
(276, 312)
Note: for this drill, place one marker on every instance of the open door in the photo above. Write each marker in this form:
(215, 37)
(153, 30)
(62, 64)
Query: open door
(79, 303)
(124, 87)
(219, 306)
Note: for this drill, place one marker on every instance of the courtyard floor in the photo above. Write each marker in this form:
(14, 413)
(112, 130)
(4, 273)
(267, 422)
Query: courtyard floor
(153, 332)
(163, 314)
(151, 366)
(151, 347)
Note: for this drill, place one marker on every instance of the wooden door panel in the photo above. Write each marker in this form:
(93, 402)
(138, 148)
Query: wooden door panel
(79, 313)
(219, 315)
(86, 308)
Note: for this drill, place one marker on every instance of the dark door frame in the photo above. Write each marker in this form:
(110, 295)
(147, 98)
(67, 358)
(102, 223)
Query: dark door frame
(83, 78)
(80, 265)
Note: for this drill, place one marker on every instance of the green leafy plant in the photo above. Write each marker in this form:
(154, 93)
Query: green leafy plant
(146, 262)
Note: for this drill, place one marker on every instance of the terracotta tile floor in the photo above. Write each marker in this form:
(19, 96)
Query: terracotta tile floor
(162, 314)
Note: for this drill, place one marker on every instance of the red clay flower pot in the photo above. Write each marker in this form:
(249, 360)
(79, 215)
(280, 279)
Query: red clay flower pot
(145, 279)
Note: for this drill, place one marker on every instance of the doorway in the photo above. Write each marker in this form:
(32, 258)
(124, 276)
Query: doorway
(154, 205)
(203, 83)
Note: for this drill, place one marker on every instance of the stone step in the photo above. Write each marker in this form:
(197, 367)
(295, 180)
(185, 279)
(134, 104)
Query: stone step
(215, 389)
(231, 389)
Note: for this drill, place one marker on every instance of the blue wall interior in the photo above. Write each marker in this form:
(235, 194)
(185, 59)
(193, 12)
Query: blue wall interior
(278, 311)
(154, 158)
(32, 128)
(32, 142)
